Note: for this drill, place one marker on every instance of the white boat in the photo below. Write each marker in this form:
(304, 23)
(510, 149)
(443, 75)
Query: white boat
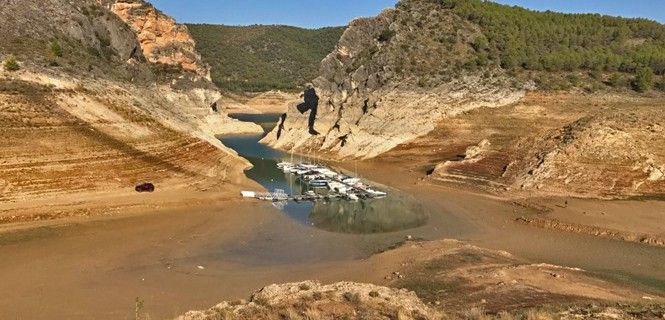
(327, 172)
(248, 194)
(284, 164)
(338, 187)
(309, 166)
(293, 169)
(318, 177)
(350, 181)
(376, 193)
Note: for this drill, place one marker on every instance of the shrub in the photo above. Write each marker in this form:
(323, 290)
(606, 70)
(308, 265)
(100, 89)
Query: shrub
(11, 64)
(617, 80)
(53, 53)
(54, 49)
(644, 80)
(480, 43)
(596, 74)
(475, 314)
(422, 82)
(661, 84)
(386, 35)
(574, 80)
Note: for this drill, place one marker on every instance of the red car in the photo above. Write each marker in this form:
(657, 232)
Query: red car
(145, 187)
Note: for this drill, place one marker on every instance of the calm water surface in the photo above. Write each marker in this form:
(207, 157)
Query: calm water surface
(396, 212)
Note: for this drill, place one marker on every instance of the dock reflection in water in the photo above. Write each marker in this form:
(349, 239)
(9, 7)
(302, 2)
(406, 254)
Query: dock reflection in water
(369, 216)
(394, 213)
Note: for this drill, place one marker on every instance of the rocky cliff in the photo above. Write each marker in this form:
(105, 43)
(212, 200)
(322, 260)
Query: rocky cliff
(162, 39)
(415, 85)
(387, 83)
(88, 112)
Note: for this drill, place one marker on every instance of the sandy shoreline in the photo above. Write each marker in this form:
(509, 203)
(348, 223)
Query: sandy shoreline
(495, 225)
(75, 267)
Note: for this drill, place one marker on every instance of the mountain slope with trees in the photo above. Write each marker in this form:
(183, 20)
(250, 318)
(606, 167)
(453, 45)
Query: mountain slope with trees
(262, 58)
(520, 39)
(413, 81)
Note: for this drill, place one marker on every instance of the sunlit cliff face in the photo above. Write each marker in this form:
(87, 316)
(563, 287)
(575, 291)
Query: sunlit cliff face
(162, 39)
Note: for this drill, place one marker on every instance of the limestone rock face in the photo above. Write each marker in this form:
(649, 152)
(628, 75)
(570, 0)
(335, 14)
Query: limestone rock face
(602, 145)
(111, 117)
(312, 300)
(385, 84)
(609, 154)
(162, 39)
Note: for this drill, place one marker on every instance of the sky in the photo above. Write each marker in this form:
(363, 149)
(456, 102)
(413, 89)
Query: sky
(322, 13)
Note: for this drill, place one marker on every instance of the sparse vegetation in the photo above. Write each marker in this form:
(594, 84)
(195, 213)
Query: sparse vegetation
(138, 308)
(54, 52)
(644, 80)
(617, 80)
(262, 58)
(11, 64)
(386, 35)
(661, 84)
(429, 290)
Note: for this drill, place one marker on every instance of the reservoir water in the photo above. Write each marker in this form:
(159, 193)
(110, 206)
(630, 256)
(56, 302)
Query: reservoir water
(396, 212)
(366, 227)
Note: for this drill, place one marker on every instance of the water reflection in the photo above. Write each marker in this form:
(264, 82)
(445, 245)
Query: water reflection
(394, 213)
(371, 216)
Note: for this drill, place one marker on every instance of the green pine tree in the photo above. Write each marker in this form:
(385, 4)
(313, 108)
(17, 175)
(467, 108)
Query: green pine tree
(644, 79)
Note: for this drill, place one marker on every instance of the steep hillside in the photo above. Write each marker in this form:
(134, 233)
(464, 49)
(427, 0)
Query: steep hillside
(401, 81)
(263, 58)
(388, 82)
(86, 112)
(519, 39)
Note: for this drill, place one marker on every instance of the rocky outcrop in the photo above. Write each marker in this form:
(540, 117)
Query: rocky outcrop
(472, 156)
(608, 146)
(611, 154)
(162, 39)
(312, 300)
(165, 42)
(99, 117)
(103, 136)
(385, 84)
(393, 83)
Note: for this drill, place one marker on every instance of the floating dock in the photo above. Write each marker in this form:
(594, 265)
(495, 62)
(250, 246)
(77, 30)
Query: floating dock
(329, 184)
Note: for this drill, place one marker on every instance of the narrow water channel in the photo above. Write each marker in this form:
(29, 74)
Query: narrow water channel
(396, 212)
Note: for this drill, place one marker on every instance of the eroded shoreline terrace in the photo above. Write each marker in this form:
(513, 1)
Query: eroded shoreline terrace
(444, 159)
